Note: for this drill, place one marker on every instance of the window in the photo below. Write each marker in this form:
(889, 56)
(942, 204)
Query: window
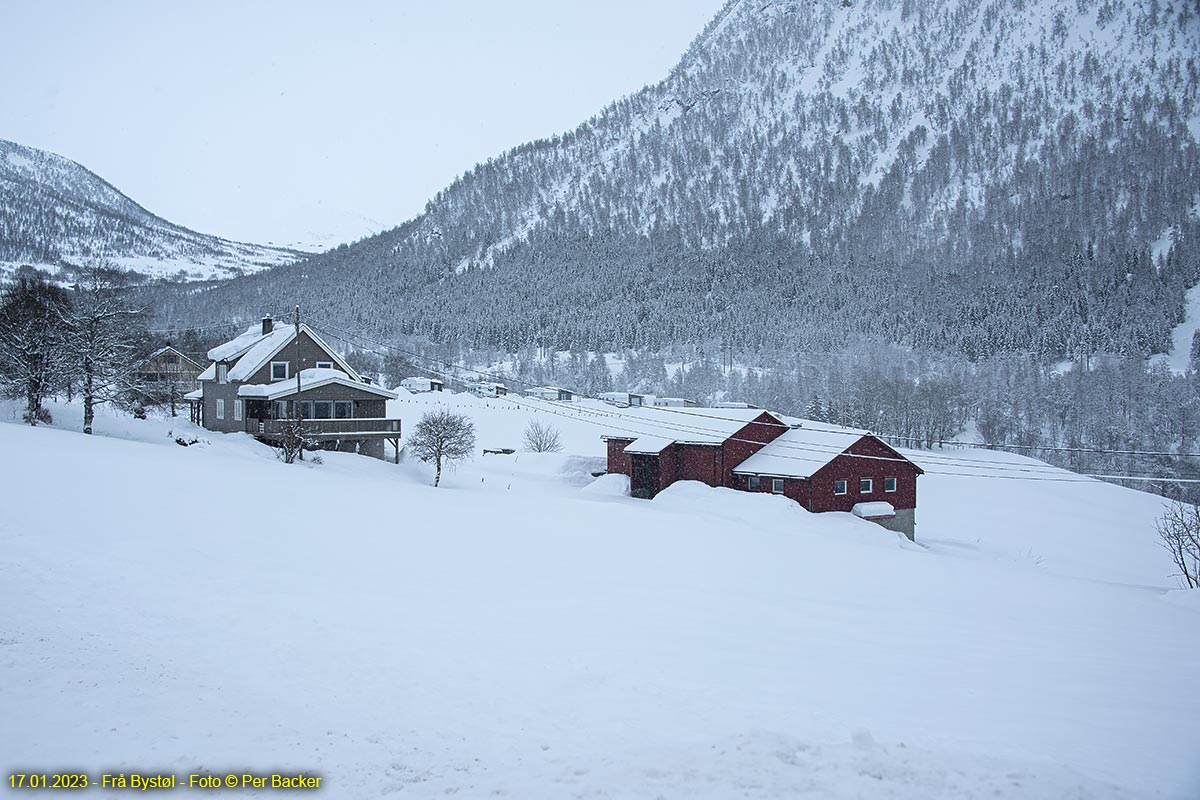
(283, 409)
(322, 409)
(777, 485)
(279, 370)
(237, 409)
(222, 373)
(306, 410)
(343, 409)
(324, 365)
(170, 359)
(865, 485)
(889, 484)
(839, 487)
(752, 483)
(220, 409)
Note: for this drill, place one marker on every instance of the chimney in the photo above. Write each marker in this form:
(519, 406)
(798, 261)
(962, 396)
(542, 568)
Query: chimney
(268, 324)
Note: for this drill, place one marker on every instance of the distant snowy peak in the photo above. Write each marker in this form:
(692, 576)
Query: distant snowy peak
(56, 213)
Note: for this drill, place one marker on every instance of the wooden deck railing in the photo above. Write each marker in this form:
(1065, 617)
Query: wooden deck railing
(328, 428)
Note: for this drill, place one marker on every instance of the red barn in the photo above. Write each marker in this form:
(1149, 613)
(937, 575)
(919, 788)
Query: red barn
(822, 467)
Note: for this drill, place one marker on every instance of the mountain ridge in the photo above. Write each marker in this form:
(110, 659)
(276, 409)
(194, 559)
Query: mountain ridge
(56, 213)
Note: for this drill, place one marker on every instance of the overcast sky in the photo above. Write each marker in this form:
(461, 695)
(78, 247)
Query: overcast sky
(289, 121)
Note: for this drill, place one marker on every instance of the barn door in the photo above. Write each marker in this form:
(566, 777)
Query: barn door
(643, 478)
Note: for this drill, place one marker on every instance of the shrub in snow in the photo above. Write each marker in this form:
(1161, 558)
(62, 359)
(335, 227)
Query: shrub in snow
(541, 437)
(293, 441)
(442, 437)
(1179, 532)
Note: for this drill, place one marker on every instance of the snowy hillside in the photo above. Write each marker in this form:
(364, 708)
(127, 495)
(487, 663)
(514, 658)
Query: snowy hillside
(54, 212)
(526, 631)
(1002, 164)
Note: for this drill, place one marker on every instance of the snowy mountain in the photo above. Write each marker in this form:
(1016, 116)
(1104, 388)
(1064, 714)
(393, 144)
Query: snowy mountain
(1012, 167)
(56, 213)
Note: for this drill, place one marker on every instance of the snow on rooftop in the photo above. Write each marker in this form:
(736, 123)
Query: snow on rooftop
(693, 426)
(261, 352)
(800, 452)
(243, 342)
(209, 373)
(309, 379)
(652, 445)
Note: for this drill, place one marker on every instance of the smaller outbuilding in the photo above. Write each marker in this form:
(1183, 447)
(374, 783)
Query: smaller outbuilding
(552, 393)
(624, 399)
(486, 389)
(674, 402)
(418, 384)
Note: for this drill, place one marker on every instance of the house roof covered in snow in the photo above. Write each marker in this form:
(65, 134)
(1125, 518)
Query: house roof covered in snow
(253, 349)
(240, 344)
(310, 379)
(801, 451)
(170, 349)
(710, 426)
(198, 394)
(652, 445)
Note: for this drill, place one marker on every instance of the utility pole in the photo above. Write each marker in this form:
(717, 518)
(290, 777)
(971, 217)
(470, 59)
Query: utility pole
(299, 413)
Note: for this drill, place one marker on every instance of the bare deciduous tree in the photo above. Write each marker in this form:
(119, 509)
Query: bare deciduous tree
(102, 334)
(542, 437)
(33, 363)
(442, 437)
(1179, 532)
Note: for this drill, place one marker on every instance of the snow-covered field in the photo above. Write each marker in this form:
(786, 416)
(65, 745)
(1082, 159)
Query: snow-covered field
(524, 631)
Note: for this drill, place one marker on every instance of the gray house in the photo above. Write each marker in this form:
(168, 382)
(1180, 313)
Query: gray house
(258, 382)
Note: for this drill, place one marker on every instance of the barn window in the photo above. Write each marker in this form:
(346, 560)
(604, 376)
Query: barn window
(777, 485)
(865, 485)
(889, 484)
(839, 487)
(220, 409)
(237, 409)
(279, 370)
(752, 483)
(222, 373)
(171, 359)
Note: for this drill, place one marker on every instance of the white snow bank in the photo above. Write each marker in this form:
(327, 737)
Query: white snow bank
(614, 485)
(873, 510)
(509, 634)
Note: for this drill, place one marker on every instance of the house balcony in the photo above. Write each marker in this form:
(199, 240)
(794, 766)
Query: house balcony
(352, 428)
